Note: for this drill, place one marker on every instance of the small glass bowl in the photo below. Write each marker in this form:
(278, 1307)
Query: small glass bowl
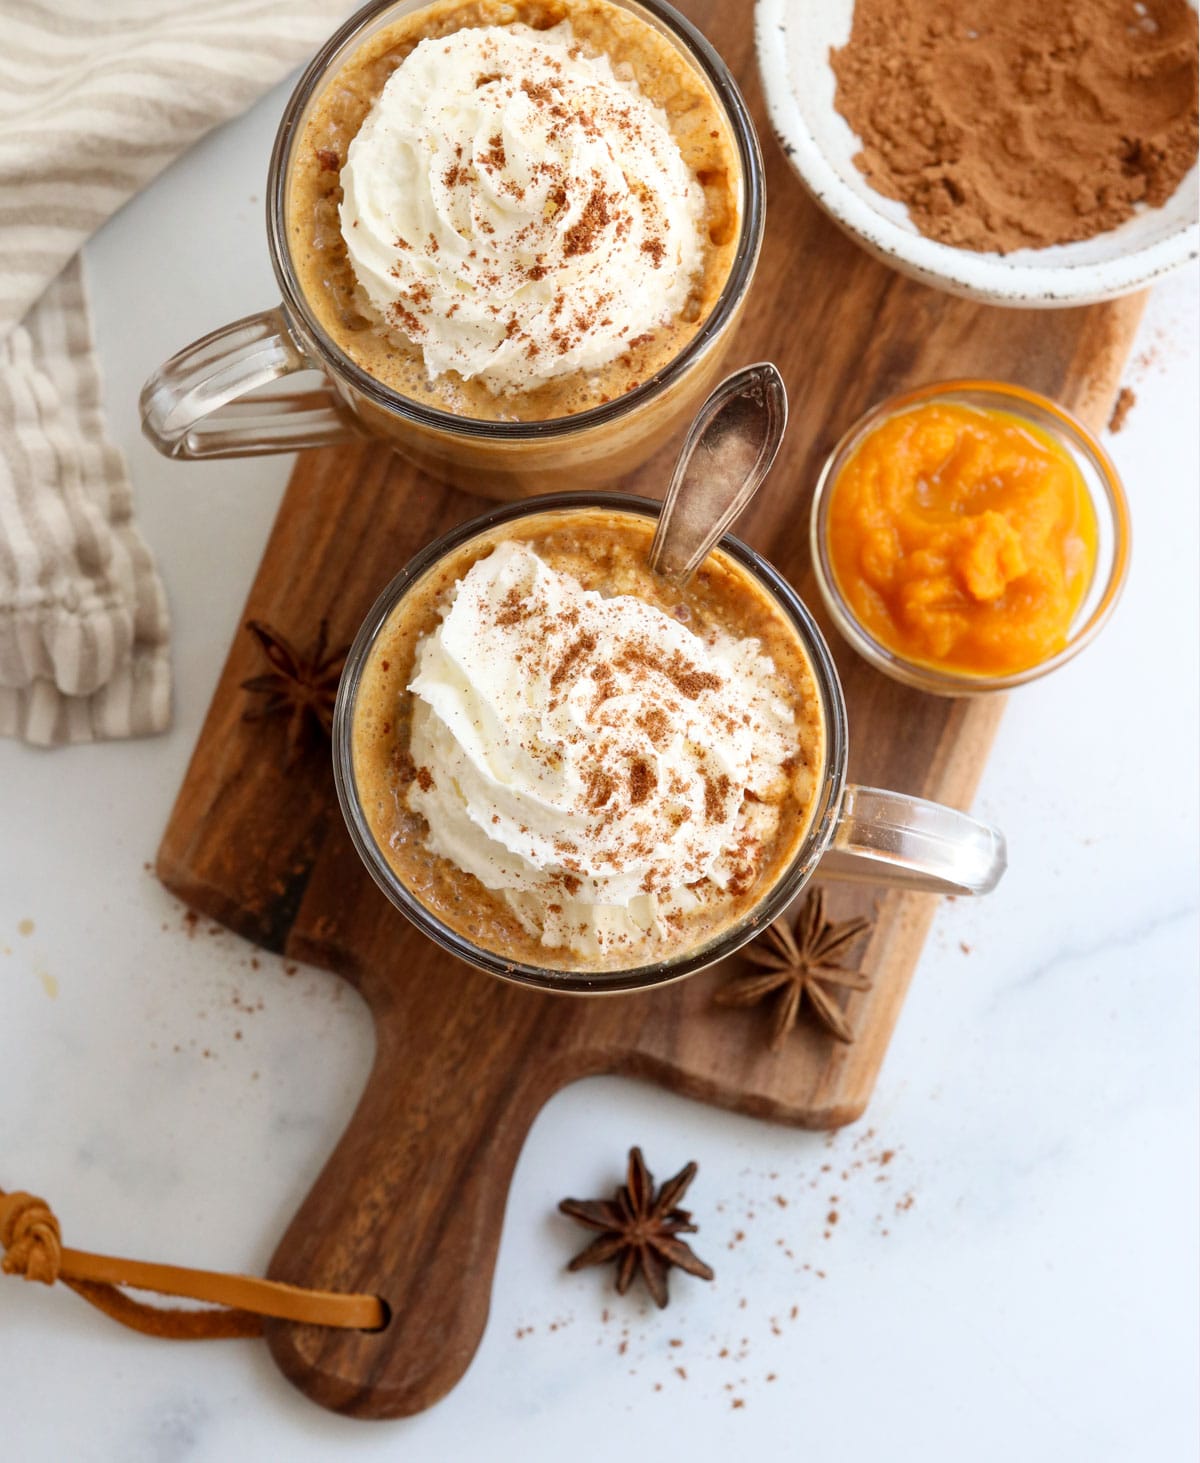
(1108, 500)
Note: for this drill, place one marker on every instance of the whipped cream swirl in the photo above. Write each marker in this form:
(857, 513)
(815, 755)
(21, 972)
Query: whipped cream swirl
(591, 757)
(518, 211)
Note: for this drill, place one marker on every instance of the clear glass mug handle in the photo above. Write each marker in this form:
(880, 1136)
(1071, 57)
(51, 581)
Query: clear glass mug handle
(193, 406)
(890, 838)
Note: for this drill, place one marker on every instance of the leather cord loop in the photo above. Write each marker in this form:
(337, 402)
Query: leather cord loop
(32, 1242)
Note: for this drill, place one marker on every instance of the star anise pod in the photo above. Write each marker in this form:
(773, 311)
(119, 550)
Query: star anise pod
(302, 688)
(639, 1228)
(797, 965)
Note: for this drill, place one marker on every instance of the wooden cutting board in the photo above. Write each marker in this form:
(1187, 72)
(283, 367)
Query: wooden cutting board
(410, 1205)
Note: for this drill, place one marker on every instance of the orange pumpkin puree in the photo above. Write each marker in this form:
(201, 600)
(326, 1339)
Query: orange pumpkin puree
(963, 539)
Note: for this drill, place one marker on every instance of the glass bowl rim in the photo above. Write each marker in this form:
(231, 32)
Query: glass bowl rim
(656, 973)
(715, 72)
(1108, 499)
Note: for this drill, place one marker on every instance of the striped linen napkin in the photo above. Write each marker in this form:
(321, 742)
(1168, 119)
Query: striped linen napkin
(96, 98)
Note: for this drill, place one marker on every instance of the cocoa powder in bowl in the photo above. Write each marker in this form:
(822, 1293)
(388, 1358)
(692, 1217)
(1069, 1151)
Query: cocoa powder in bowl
(1009, 124)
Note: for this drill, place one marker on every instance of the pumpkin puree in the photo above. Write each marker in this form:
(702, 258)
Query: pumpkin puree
(963, 539)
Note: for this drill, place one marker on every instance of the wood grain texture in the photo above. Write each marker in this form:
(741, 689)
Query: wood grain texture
(411, 1203)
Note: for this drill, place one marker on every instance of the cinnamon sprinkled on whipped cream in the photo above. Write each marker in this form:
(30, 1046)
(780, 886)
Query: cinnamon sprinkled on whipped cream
(591, 758)
(517, 210)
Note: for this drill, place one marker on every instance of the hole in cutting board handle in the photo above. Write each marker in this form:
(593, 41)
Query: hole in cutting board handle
(384, 1324)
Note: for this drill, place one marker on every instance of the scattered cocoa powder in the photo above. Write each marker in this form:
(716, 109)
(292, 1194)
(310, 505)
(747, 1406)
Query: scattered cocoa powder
(583, 646)
(494, 158)
(1007, 124)
(581, 236)
(653, 721)
(686, 678)
(716, 791)
(642, 781)
(1124, 404)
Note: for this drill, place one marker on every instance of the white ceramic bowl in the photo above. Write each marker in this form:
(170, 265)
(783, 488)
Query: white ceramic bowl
(794, 38)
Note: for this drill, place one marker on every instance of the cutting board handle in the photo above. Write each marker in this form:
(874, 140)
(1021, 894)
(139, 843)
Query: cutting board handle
(411, 1203)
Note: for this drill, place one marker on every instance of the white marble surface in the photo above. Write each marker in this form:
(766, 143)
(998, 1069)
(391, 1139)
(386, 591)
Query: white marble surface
(1019, 1281)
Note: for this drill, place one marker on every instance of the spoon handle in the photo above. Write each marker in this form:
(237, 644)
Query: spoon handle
(726, 455)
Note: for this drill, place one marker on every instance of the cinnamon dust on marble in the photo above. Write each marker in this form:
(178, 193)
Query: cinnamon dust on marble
(1009, 124)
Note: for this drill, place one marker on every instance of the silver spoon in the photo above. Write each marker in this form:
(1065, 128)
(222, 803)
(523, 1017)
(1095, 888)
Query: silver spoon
(728, 452)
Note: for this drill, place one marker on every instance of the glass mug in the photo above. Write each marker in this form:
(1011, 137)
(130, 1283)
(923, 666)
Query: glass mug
(859, 833)
(213, 398)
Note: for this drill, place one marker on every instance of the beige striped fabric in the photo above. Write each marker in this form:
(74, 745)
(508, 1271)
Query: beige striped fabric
(96, 97)
(83, 615)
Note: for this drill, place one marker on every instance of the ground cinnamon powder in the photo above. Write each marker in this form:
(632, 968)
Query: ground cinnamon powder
(1008, 124)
